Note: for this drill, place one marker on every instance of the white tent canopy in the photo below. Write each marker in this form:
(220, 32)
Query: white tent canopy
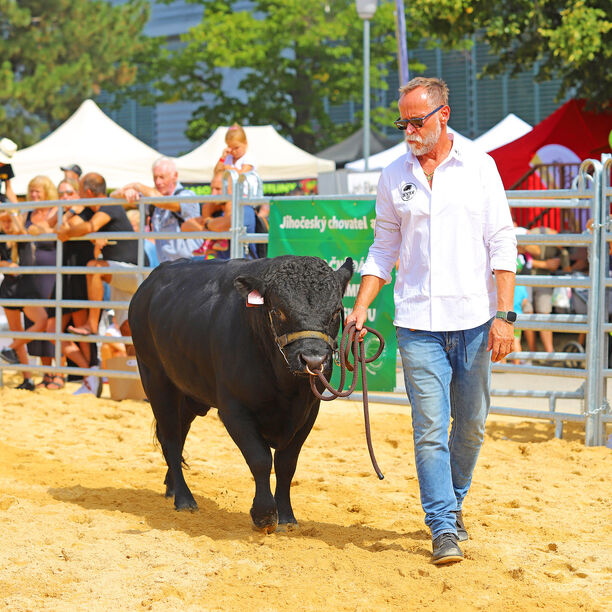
(384, 158)
(275, 157)
(508, 129)
(92, 140)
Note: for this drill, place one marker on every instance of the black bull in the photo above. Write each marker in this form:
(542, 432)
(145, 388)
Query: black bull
(199, 345)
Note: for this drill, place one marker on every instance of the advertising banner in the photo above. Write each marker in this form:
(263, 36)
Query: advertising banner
(335, 230)
(270, 188)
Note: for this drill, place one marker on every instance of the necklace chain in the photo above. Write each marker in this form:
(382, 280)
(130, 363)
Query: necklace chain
(429, 175)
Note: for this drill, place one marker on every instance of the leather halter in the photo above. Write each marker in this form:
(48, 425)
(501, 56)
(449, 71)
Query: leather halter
(285, 339)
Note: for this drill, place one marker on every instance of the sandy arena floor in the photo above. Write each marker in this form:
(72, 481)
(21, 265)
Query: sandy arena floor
(85, 525)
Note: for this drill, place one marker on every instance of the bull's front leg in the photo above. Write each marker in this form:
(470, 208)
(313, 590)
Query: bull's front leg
(242, 427)
(285, 463)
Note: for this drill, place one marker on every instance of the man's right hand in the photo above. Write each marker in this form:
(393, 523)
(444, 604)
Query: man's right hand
(360, 316)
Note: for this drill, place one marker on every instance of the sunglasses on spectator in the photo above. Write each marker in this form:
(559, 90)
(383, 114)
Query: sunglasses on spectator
(415, 122)
(71, 192)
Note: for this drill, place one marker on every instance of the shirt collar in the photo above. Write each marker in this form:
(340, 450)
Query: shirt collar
(456, 153)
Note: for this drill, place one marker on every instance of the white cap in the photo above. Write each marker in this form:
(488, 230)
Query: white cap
(7, 150)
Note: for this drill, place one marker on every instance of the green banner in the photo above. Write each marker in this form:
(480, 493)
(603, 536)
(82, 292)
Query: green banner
(335, 230)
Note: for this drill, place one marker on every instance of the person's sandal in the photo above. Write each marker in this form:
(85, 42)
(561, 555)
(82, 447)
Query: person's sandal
(47, 378)
(57, 382)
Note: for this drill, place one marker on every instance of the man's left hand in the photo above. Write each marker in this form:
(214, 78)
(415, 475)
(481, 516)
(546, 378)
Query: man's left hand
(131, 195)
(501, 339)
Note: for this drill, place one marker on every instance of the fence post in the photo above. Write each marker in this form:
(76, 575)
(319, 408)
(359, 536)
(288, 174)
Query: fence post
(593, 401)
(237, 214)
(59, 295)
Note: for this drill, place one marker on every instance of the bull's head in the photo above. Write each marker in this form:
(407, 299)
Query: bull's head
(302, 297)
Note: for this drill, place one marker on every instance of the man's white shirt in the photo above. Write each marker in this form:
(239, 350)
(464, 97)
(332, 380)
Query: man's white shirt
(448, 238)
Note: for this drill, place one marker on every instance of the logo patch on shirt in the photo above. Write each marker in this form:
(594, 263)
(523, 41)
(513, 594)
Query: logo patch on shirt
(407, 191)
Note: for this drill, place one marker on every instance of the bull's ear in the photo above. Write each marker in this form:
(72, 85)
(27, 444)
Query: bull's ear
(246, 284)
(344, 273)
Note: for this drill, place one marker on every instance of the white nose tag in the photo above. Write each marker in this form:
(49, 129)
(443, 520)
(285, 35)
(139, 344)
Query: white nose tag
(254, 298)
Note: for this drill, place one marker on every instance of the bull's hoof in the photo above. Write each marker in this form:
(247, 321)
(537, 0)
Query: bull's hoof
(287, 519)
(186, 503)
(266, 523)
(267, 530)
(187, 508)
(286, 527)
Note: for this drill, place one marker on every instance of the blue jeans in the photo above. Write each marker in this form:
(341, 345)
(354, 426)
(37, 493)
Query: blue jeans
(447, 375)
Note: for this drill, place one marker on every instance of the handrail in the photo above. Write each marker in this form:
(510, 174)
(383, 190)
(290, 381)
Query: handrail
(240, 189)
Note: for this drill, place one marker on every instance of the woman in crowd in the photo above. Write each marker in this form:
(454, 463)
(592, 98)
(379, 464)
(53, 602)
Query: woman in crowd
(74, 286)
(217, 217)
(18, 286)
(42, 221)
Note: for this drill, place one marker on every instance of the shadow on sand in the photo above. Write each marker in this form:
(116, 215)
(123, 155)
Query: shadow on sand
(218, 523)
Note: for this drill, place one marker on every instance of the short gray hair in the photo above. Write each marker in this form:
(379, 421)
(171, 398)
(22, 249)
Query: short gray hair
(163, 160)
(436, 89)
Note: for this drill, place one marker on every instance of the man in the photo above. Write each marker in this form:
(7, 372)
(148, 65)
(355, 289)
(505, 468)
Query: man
(167, 216)
(73, 171)
(217, 217)
(442, 211)
(7, 149)
(118, 254)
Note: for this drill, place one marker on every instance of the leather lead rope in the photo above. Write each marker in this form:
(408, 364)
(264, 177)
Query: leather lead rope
(359, 358)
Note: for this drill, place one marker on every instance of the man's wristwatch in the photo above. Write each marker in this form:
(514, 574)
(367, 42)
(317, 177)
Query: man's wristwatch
(509, 316)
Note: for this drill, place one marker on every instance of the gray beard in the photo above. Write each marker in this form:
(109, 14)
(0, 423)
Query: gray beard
(420, 146)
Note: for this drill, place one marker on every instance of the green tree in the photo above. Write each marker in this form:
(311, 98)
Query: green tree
(294, 59)
(56, 53)
(566, 39)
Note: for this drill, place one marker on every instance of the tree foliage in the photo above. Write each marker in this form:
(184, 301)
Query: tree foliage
(294, 59)
(56, 53)
(569, 40)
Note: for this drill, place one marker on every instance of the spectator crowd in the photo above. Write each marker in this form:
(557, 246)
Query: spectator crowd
(113, 262)
(120, 257)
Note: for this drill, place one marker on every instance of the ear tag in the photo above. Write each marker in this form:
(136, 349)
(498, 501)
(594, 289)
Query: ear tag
(254, 299)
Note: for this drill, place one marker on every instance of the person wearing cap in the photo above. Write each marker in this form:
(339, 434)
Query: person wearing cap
(441, 209)
(166, 216)
(7, 149)
(72, 172)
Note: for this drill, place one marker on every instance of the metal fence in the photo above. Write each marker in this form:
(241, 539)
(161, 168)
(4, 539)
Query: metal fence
(592, 194)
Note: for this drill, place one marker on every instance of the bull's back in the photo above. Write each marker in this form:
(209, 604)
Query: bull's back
(185, 318)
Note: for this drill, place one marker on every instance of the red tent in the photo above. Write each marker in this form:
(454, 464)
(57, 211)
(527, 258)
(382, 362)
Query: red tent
(555, 147)
(584, 133)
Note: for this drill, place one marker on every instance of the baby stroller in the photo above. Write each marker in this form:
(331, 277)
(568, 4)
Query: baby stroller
(579, 305)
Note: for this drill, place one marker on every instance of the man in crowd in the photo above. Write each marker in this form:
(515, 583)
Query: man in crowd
(217, 217)
(115, 254)
(453, 297)
(166, 216)
(73, 171)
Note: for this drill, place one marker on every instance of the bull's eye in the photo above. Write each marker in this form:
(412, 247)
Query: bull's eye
(279, 314)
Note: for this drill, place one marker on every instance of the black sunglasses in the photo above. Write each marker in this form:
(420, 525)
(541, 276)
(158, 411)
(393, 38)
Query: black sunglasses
(415, 122)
